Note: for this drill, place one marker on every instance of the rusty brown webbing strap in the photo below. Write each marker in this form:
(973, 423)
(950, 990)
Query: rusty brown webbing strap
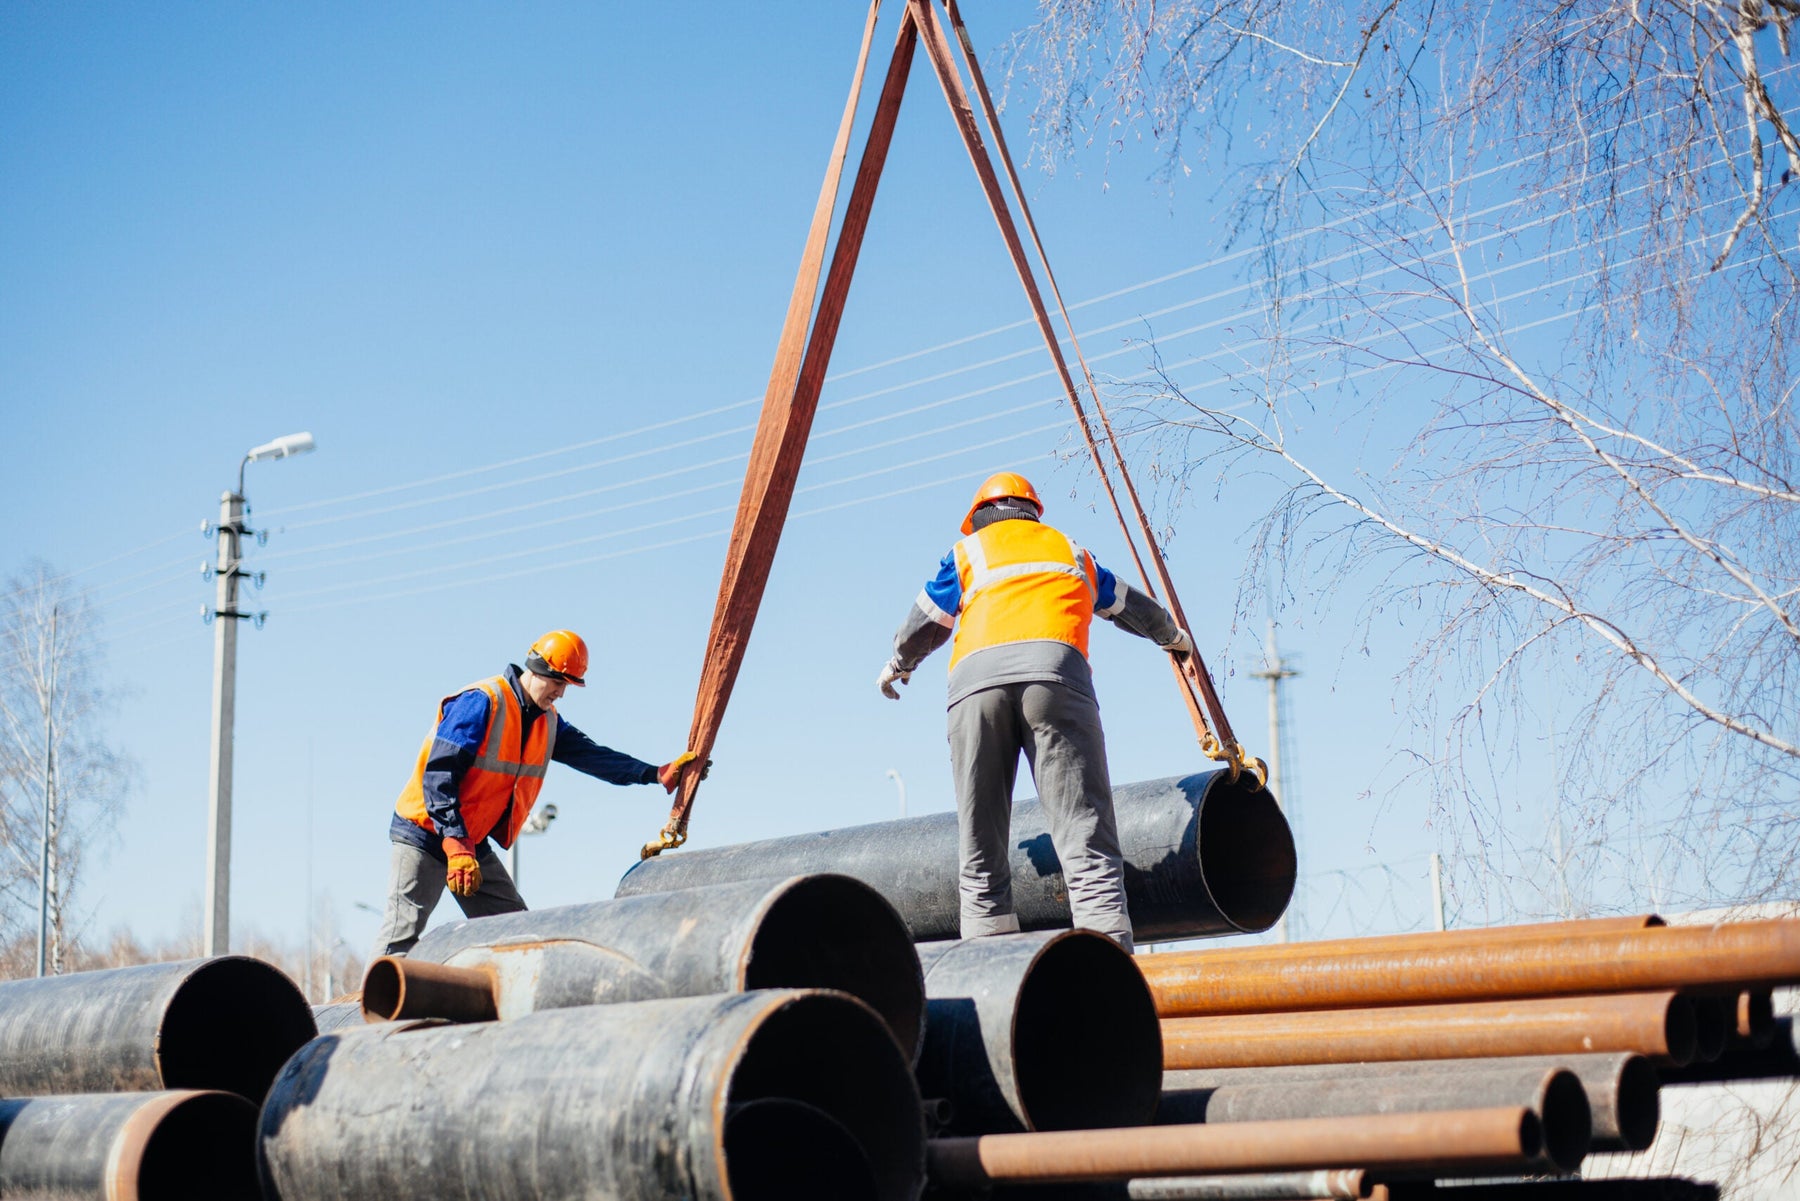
(1193, 680)
(789, 404)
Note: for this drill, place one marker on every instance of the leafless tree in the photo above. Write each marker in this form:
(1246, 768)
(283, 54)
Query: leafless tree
(51, 744)
(1520, 374)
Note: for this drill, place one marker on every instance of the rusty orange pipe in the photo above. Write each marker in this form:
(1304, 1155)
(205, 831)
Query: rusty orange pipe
(1756, 1016)
(396, 988)
(1432, 969)
(1659, 1025)
(1392, 1142)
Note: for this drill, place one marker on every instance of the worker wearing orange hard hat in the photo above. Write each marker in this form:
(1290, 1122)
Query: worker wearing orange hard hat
(1015, 598)
(477, 778)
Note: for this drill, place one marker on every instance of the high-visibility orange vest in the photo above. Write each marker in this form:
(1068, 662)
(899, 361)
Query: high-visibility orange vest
(503, 773)
(1022, 581)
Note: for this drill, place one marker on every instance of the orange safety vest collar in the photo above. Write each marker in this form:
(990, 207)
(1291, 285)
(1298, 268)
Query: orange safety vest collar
(1022, 581)
(504, 772)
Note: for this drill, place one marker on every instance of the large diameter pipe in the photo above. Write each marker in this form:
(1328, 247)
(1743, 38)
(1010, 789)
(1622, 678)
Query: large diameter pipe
(227, 1023)
(1419, 970)
(757, 1096)
(1659, 1025)
(819, 931)
(162, 1146)
(1457, 1141)
(1204, 855)
(1554, 1094)
(1050, 1030)
(1621, 1088)
(1325, 1184)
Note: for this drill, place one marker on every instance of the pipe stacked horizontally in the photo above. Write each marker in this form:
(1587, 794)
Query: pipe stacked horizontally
(226, 1023)
(759, 1096)
(159, 1146)
(1204, 855)
(820, 931)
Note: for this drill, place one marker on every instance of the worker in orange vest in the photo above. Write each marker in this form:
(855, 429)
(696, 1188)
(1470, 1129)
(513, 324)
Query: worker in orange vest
(478, 776)
(1020, 597)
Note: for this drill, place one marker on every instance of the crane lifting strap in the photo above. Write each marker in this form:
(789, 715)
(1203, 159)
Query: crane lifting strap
(801, 359)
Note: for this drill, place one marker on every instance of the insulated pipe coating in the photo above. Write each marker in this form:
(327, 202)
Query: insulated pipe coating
(1621, 1088)
(1659, 1025)
(1203, 856)
(1051, 1030)
(338, 1015)
(818, 931)
(1326, 1184)
(162, 1146)
(1458, 1141)
(758, 1096)
(1554, 1094)
(1430, 969)
(226, 1023)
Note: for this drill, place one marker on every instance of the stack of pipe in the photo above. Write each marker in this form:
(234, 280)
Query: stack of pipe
(141, 1083)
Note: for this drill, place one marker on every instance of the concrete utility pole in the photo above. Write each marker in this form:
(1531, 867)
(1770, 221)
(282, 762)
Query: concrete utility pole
(49, 806)
(1275, 672)
(225, 615)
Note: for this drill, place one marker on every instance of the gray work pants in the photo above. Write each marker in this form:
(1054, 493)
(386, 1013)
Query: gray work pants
(415, 884)
(1059, 731)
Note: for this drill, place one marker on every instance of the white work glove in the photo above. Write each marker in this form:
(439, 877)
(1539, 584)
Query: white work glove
(889, 674)
(1182, 645)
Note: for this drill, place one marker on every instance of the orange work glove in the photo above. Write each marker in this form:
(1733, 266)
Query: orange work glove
(669, 774)
(464, 876)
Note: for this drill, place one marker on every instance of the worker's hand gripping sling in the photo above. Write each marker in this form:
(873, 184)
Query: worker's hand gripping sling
(788, 407)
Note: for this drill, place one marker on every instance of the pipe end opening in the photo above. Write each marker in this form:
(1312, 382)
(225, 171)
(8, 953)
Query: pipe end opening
(383, 990)
(833, 1055)
(1681, 1030)
(1568, 1121)
(1639, 1103)
(835, 932)
(1087, 1044)
(778, 1149)
(1246, 851)
(231, 1025)
(205, 1146)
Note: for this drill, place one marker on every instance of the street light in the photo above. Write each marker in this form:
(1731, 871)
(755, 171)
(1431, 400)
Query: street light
(537, 823)
(893, 773)
(225, 616)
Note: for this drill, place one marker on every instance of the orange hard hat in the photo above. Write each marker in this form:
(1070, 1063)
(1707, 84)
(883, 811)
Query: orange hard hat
(1001, 486)
(561, 655)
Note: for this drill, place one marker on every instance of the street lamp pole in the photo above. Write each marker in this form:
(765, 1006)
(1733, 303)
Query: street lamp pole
(893, 773)
(225, 615)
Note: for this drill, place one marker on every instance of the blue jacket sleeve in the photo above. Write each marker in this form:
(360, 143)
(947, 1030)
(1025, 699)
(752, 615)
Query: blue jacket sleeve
(585, 755)
(452, 751)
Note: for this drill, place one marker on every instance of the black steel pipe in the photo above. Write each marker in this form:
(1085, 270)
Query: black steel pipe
(1052, 1030)
(1554, 1094)
(339, 1015)
(817, 931)
(161, 1146)
(727, 1098)
(1778, 1058)
(1621, 1087)
(1203, 856)
(227, 1023)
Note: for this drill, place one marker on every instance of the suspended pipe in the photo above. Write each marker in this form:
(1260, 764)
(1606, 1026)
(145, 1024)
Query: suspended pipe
(1659, 1025)
(818, 931)
(1203, 856)
(1326, 1184)
(1051, 1030)
(1459, 1141)
(758, 1096)
(1554, 1094)
(1414, 969)
(1621, 1087)
(225, 1023)
(160, 1146)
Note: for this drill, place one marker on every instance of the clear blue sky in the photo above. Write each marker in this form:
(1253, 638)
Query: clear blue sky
(521, 271)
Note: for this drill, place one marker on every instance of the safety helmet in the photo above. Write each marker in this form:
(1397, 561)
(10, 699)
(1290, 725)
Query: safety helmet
(561, 655)
(1002, 485)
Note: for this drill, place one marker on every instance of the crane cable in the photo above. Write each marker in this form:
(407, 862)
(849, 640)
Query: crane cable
(1192, 678)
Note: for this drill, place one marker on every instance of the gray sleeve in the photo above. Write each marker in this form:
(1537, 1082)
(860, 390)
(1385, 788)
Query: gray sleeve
(1141, 614)
(924, 630)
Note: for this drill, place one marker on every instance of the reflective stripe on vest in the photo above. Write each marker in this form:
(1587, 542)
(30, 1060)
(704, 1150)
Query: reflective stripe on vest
(503, 774)
(1022, 581)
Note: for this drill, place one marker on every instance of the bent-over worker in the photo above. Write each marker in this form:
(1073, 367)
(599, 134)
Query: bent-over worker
(1020, 597)
(478, 776)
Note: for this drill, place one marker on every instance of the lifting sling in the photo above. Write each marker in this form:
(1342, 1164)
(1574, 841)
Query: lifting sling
(801, 359)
